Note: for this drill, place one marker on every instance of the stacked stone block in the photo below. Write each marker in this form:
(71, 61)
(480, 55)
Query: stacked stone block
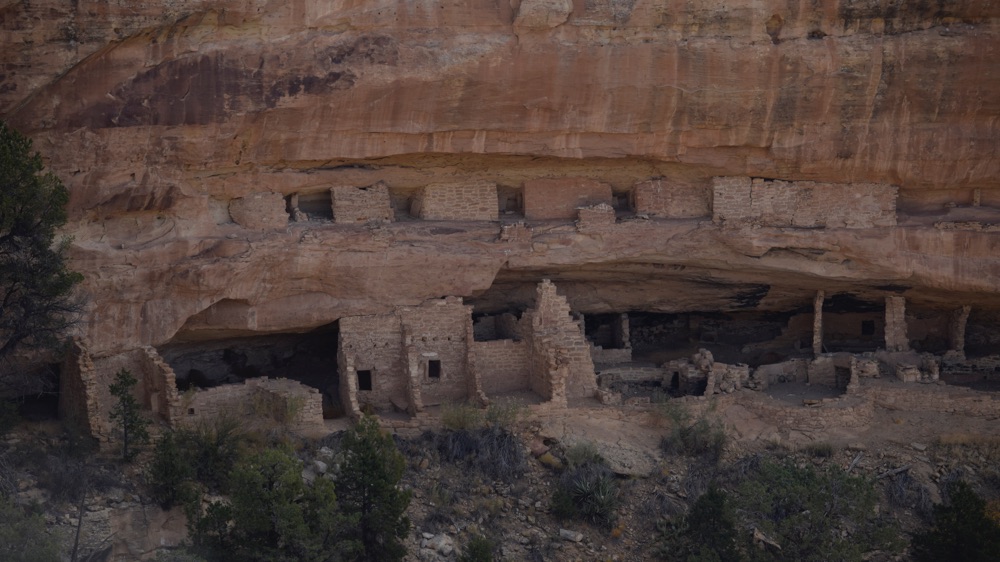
(374, 343)
(657, 198)
(895, 324)
(437, 331)
(281, 400)
(804, 204)
(78, 391)
(352, 205)
(398, 349)
(502, 365)
(160, 388)
(475, 201)
(595, 217)
(557, 347)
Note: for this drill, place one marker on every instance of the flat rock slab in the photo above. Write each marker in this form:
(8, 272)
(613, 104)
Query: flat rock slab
(630, 448)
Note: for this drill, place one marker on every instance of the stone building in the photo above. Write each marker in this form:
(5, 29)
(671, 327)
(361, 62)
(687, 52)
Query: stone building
(473, 201)
(427, 355)
(802, 204)
(659, 198)
(351, 205)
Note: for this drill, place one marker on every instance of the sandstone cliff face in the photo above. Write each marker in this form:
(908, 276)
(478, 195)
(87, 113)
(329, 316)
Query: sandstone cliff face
(157, 116)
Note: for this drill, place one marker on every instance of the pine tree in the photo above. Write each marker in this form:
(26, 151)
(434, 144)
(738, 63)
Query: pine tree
(127, 415)
(368, 489)
(35, 286)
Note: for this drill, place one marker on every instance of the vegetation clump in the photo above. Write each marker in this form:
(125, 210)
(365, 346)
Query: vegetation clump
(485, 442)
(272, 514)
(962, 529)
(23, 537)
(787, 512)
(700, 438)
(587, 489)
(707, 532)
(478, 549)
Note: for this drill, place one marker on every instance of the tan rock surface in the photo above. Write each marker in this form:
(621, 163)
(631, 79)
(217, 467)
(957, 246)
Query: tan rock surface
(158, 116)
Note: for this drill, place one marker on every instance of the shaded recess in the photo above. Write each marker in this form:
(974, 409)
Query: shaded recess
(309, 358)
(982, 333)
(754, 338)
(852, 324)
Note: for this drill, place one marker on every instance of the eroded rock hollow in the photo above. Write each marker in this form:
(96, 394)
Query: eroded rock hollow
(720, 173)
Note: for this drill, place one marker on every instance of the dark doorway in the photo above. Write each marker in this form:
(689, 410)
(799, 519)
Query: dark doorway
(364, 379)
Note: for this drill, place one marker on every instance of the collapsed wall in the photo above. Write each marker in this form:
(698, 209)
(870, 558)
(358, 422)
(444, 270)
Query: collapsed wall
(560, 355)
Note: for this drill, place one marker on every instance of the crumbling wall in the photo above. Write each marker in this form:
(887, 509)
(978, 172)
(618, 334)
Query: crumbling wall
(78, 392)
(106, 368)
(934, 398)
(600, 355)
(259, 211)
(559, 198)
(595, 217)
(804, 204)
(896, 338)
(822, 370)
(375, 344)
(474, 201)
(557, 347)
(658, 198)
(792, 370)
(160, 389)
(502, 365)
(957, 369)
(352, 205)
(281, 400)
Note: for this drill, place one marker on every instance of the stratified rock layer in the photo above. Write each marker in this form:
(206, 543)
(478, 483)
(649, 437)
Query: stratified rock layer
(159, 116)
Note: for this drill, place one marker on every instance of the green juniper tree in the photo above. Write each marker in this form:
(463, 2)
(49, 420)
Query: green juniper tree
(273, 516)
(368, 489)
(127, 416)
(35, 286)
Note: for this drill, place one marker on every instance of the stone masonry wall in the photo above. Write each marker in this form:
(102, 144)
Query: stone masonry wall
(352, 205)
(376, 344)
(160, 389)
(259, 211)
(78, 403)
(896, 338)
(559, 198)
(106, 369)
(657, 198)
(556, 338)
(595, 217)
(502, 365)
(804, 204)
(281, 400)
(438, 332)
(934, 398)
(610, 356)
(476, 201)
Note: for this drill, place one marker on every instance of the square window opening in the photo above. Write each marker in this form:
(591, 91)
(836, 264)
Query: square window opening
(364, 379)
(434, 369)
(867, 327)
